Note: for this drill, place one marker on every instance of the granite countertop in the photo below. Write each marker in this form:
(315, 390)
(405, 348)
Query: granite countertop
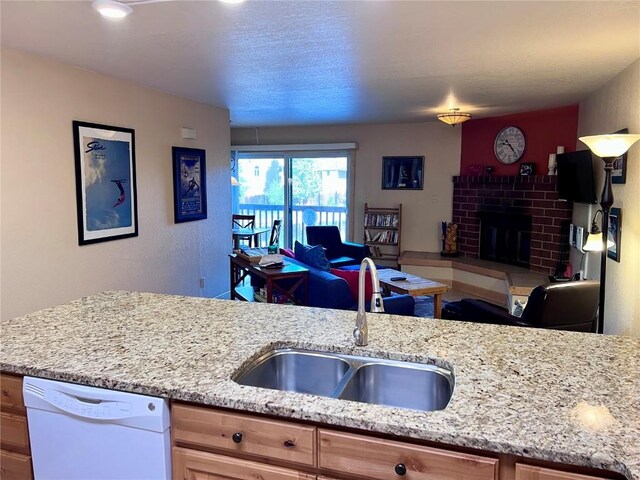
(560, 396)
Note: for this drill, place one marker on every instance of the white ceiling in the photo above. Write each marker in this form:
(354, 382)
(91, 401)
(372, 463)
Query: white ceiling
(324, 61)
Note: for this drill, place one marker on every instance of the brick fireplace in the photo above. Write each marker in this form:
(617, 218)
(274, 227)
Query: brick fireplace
(526, 196)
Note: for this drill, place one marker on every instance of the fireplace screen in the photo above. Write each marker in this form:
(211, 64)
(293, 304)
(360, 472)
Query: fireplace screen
(505, 237)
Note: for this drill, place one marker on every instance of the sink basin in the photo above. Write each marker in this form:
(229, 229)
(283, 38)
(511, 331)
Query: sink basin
(296, 371)
(347, 377)
(400, 386)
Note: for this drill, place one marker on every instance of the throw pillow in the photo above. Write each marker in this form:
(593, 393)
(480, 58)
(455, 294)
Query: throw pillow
(351, 276)
(299, 251)
(316, 258)
(287, 252)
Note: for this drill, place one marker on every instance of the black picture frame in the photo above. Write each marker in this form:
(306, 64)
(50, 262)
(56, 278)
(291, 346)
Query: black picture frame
(189, 184)
(106, 193)
(527, 169)
(615, 233)
(619, 173)
(403, 173)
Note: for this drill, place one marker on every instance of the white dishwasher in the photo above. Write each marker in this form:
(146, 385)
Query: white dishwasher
(88, 433)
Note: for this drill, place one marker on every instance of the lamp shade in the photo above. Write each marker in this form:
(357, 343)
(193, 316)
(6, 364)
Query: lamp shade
(111, 8)
(454, 117)
(594, 243)
(609, 145)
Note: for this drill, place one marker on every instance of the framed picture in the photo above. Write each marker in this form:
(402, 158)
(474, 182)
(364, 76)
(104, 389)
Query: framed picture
(615, 233)
(527, 169)
(189, 184)
(105, 182)
(402, 173)
(619, 173)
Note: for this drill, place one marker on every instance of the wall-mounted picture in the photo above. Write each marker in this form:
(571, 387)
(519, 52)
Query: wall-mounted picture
(619, 173)
(402, 173)
(615, 233)
(527, 169)
(189, 184)
(105, 182)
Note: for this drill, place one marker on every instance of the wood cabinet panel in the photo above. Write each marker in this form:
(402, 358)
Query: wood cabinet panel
(286, 441)
(194, 465)
(376, 458)
(11, 399)
(14, 434)
(15, 466)
(529, 472)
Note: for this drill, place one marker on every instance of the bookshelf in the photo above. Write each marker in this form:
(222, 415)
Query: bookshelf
(382, 232)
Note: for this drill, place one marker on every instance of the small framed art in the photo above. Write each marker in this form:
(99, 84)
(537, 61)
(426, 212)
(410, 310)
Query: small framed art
(402, 173)
(527, 169)
(105, 182)
(189, 184)
(615, 233)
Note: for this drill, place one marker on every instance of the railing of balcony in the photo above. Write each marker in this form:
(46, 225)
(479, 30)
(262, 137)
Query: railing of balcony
(302, 215)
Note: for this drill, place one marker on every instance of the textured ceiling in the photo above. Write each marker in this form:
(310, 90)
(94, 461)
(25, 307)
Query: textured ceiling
(313, 62)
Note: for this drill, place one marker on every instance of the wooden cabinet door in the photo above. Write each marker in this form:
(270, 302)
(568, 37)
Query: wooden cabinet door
(194, 465)
(11, 399)
(14, 434)
(375, 458)
(15, 466)
(528, 472)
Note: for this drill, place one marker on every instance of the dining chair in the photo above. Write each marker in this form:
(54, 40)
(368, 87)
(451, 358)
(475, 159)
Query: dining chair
(275, 232)
(243, 221)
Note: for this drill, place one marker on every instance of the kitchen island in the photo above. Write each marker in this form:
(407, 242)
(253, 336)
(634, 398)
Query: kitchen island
(564, 397)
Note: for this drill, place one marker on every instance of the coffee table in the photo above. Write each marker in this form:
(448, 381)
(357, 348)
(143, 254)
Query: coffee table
(414, 286)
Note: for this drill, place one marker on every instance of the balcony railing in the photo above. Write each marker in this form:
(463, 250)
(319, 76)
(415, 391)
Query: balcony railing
(301, 216)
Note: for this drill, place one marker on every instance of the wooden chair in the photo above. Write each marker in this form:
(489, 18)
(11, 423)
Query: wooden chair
(243, 221)
(275, 232)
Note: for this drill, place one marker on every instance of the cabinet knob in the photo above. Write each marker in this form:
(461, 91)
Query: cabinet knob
(401, 469)
(236, 437)
(289, 443)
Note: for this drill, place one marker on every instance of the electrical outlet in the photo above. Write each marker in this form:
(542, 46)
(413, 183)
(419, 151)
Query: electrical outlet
(201, 282)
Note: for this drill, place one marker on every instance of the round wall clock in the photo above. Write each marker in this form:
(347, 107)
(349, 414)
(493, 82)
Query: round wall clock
(509, 145)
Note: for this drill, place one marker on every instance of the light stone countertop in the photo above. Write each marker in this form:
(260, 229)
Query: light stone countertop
(560, 396)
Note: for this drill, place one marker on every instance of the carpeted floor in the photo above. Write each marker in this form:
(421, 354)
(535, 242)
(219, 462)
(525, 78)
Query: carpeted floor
(424, 306)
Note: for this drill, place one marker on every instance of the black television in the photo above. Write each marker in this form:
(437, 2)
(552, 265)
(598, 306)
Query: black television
(575, 177)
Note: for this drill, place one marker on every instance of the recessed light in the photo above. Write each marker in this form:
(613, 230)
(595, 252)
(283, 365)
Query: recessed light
(111, 8)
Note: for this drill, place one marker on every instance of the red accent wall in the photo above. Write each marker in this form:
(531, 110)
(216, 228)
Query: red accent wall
(544, 130)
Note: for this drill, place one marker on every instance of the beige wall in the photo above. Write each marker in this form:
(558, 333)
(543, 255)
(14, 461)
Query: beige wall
(615, 106)
(42, 264)
(438, 143)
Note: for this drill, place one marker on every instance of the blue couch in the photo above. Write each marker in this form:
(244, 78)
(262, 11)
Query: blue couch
(330, 291)
(338, 253)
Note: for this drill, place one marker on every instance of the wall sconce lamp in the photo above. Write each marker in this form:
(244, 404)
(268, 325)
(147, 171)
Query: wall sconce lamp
(594, 239)
(607, 147)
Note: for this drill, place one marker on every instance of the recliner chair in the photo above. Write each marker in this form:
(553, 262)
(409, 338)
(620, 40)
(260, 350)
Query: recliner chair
(338, 253)
(559, 306)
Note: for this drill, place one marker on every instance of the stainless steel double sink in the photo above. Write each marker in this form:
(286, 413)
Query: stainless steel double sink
(378, 381)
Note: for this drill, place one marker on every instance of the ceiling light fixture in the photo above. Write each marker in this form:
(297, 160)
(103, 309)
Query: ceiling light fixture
(454, 117)
(111, 8)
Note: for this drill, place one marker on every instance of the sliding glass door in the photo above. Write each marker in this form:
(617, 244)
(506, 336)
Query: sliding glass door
(302, 190)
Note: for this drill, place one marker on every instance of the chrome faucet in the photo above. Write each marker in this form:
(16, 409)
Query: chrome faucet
(361, 332)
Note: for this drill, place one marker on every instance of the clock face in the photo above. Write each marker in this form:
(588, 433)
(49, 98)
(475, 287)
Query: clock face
(509, 145)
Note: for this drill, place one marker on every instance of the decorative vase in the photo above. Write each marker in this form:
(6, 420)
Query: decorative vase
(552, 163)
